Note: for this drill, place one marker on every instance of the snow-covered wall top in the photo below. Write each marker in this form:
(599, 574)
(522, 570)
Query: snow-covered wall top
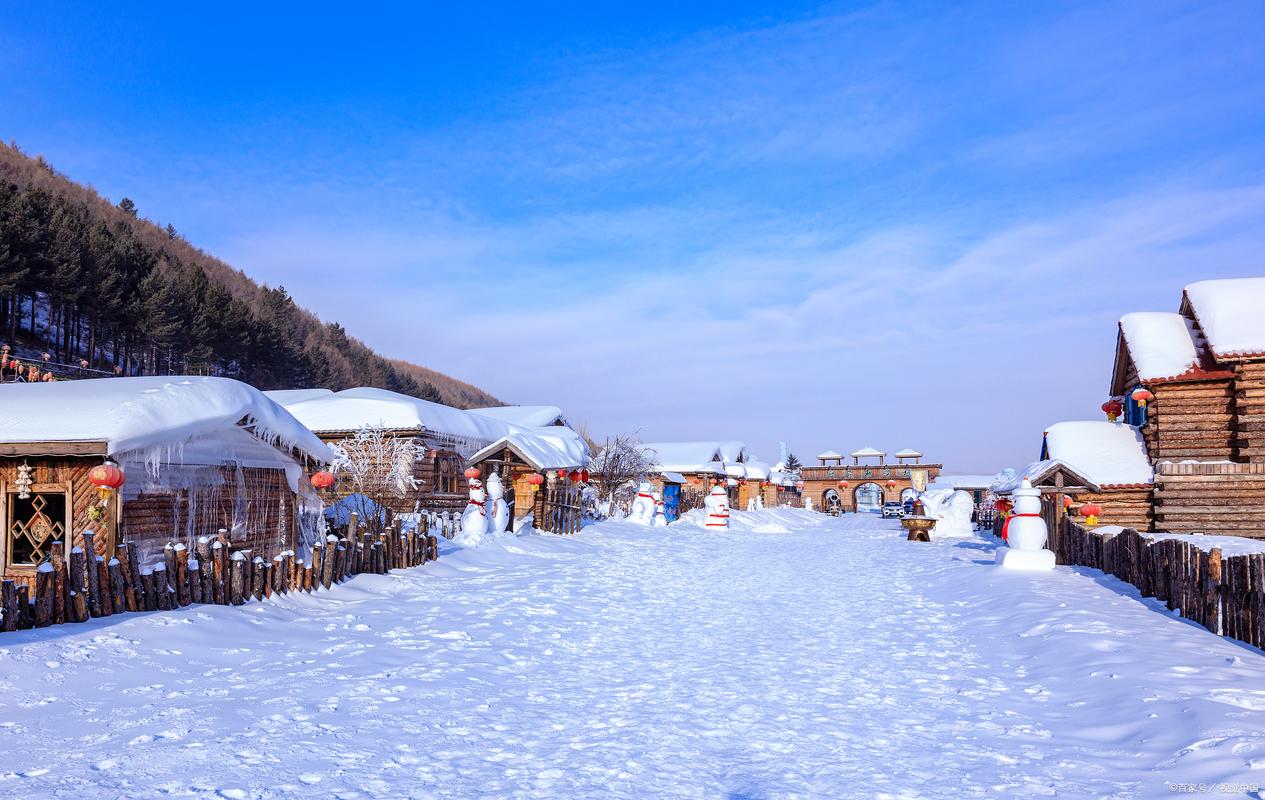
(1107, 453)
(135, 415)
(532, 416)
(1162, 343)
(1230, 314)
(685, 456)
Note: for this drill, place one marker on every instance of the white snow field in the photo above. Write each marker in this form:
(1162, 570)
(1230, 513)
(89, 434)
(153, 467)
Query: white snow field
(795, 656)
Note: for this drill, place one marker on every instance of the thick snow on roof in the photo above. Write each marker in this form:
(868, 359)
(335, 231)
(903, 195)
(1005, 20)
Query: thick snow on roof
(1107, 453)
(1230, 314)
(353, 409)
(735, 470)
(288, 396)
(867, 452)
(135, 415)
(733, 451)
(829, 455)
(966, 481)
(1161, 343)
(534, 416)
(757, 470)
(685, 456)
(908, 453)
(673, 477)
(542, 452)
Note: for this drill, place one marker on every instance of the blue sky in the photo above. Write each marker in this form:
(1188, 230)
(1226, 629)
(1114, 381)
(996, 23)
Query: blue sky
(887, 224)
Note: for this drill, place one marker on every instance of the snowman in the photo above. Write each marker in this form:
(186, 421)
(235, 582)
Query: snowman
(660, 515)
(498, 509)
(716, 505)
(642, 510)
(474, 520)
(1026, 533)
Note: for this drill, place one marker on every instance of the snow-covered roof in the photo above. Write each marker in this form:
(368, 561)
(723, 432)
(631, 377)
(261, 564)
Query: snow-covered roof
(353, 409)
(534, 416)
(1162, 344)
(756, 470)
(1038, 472)
(153, 418)
(540, 451)
(829, 455)
(1107, 453)
(673, 477)
(732, 451)
(685, 456)
(966, 481)
(908, 453)
(288, 396)
(1229, 313)
(867, 452)
(735, 470)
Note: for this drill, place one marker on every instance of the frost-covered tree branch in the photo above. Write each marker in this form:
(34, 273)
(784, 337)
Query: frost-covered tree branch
(376, 467)
(619, 461)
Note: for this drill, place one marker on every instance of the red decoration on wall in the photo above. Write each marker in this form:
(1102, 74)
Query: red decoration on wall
(535, 478)
(322, 479)
(471, 473)
(107, 476)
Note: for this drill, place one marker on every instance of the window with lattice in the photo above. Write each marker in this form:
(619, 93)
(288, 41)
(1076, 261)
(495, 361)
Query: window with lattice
(33, 523)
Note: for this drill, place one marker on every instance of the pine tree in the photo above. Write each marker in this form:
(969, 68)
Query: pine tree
(127, 206)
(792, 463)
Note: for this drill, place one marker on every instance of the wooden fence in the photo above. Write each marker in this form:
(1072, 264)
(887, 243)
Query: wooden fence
(1225, 595)
(560, 508)
(75, 589)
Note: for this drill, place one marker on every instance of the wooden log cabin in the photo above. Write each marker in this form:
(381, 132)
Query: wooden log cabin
(1096, 462)
(554, 452)
(701, 464)
(1189, 389)
(197, 455)
(441, 438)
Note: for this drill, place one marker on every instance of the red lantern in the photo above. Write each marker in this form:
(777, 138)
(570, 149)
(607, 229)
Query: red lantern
(843, 484)
(1067, 502)
(1112, 408)
(562, 474)
(584, 475)
(1090, 512)
(1142, 396)
(891, 484)
(574, 476)
(471, 473)
(322, 479)
(535, 478)
(107, 477)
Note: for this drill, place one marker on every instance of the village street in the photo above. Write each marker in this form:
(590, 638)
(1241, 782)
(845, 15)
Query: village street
(795, 656)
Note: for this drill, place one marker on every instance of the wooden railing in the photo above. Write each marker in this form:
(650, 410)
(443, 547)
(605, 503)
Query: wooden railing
(1225, 595)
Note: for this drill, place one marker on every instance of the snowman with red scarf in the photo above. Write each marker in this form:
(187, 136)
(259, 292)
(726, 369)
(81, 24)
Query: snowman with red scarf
(474, 520)
(1026, 533)
(716, 505)
(642, 510)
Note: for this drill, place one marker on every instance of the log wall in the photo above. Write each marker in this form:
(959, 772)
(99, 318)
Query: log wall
(1191, 421)
(1128, 508)
(73, 473)
(1249, 412)
(1211, 498)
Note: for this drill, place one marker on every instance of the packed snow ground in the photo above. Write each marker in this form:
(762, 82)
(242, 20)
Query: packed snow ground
(797, 656)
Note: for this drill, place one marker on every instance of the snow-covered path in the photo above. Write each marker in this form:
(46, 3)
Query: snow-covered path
(812, 657)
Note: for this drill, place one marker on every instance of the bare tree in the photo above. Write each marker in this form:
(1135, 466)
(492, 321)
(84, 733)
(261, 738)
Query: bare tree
(620, 460)
(375, 467)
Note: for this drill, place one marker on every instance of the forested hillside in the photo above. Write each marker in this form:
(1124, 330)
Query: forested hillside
(95, 284)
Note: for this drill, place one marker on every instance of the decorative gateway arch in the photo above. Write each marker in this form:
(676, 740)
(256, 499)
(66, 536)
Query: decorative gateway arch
(869, 481)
